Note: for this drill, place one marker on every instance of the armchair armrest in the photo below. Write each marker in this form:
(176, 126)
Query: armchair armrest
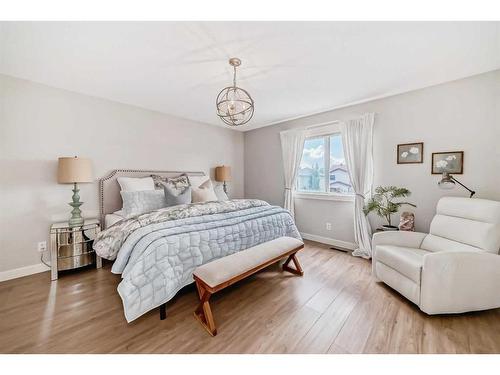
(398, 238)
(455, 282)
(394, 238)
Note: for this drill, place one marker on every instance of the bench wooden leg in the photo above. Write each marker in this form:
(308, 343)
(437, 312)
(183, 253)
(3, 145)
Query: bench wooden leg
(203, 312)
(297, 270)
(163, 311)
(199, 288)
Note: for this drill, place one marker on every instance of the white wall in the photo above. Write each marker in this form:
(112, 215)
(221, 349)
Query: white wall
(38, 124)
(460, 115)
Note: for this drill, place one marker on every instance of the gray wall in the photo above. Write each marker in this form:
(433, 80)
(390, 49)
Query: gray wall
(38, 124)
(460, 115)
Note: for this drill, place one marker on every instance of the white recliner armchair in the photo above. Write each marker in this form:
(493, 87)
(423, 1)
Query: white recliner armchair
(453, 269)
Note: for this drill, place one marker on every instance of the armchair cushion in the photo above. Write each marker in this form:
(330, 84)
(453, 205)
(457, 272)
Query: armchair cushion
(475, 222)
(483, 210)
(479, 234)
(436, 244)
(406, 260)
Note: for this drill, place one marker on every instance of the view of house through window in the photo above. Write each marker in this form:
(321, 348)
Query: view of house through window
(315, 161)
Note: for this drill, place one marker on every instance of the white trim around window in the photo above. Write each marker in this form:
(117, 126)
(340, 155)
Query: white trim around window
(319, 131)
(323, 129)
(324, 196)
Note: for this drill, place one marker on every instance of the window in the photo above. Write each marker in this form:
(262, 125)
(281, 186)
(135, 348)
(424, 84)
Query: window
(311, 175)
(323, 156)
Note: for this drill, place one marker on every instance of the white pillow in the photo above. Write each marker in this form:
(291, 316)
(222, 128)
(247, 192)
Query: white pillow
(203, 193)
(198, 180)
(219, 191)
(136, 184)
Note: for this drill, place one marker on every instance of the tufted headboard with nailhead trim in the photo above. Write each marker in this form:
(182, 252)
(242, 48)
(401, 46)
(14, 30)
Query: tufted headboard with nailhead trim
(110, 199)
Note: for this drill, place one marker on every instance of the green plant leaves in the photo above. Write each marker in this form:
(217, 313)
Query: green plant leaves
(382, 202)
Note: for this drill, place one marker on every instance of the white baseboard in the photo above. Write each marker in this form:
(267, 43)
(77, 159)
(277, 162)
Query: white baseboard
(329, 241)
(23, 271)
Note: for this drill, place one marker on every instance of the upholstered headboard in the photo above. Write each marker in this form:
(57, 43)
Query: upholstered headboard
(110, 199)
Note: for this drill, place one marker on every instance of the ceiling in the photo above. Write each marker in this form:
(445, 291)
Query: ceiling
(291, 69)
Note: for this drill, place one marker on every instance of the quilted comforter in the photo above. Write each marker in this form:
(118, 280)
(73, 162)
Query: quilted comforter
(157, 252)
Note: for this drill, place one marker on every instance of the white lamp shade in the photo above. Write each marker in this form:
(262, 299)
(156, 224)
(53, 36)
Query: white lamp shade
(74, 169)
(446, 185)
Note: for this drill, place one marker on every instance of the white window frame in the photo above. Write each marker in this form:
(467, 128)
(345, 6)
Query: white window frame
(318, 131)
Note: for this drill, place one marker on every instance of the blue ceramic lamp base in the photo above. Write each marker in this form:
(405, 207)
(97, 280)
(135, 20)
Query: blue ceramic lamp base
(76, 219)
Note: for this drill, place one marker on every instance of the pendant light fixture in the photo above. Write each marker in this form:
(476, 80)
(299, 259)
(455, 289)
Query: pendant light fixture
(235, 106)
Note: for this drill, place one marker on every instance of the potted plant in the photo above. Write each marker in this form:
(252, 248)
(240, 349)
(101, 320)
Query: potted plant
(384, 204)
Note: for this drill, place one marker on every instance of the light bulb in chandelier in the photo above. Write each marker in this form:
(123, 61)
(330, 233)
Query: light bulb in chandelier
(235, 106)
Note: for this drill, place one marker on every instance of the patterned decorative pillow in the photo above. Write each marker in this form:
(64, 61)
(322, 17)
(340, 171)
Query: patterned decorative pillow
(139, 202)
(175, 197)
(179, 182)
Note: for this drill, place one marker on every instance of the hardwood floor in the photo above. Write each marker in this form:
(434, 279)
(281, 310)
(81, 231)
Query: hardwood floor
(335, 308)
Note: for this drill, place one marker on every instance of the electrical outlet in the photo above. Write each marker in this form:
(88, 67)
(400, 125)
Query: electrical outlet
(42, 246)
(328, 226)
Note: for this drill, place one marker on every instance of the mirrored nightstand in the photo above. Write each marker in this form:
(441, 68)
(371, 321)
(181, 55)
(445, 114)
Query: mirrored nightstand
(71, 248)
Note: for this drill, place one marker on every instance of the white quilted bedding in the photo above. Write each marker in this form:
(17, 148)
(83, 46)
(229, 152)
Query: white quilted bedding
(157, 256)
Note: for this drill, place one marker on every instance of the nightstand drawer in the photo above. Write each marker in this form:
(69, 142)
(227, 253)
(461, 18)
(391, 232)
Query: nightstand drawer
(68, 238)
(74, 249)
(70, 263)
(71, 247)
(71, 237)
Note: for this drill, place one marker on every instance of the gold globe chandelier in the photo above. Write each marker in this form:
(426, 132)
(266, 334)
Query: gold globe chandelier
(235, 106)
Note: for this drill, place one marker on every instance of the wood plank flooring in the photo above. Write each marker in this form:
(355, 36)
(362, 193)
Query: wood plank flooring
(335, 308)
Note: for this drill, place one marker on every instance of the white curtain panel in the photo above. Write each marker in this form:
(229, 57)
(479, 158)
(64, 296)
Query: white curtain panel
(357, 139)
(292, 143)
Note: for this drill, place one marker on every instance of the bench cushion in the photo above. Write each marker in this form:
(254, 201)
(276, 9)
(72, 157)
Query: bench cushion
(226, 268)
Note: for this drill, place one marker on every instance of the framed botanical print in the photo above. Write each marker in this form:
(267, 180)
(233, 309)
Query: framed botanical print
(451, 162)
(410, 153)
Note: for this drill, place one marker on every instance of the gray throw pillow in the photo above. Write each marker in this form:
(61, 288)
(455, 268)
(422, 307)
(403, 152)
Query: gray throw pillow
(175, 197)
(140, 202)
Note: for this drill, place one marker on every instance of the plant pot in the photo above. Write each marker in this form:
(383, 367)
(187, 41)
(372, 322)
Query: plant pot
(389, 227)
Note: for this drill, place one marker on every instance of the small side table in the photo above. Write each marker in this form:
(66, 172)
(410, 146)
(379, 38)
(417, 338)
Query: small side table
(71, 248)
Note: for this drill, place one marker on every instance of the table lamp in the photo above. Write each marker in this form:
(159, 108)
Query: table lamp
(223, 174)
(74, 170)
(448, 182)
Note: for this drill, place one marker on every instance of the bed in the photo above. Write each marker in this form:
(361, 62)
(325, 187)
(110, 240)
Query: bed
(156, 252)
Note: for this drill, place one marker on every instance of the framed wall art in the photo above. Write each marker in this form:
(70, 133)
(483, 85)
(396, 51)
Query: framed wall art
(410, 153)
(450, 162)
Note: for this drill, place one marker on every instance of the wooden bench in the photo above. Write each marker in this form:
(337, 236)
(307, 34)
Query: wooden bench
(221, 273)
